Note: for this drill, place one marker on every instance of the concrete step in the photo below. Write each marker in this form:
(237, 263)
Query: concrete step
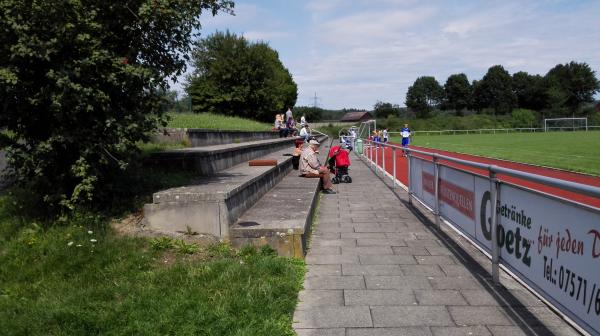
(215, 202)
(282, 218)
(209, 160)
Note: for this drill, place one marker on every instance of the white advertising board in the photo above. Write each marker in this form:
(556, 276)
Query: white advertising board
(551, 244)
(418, 184)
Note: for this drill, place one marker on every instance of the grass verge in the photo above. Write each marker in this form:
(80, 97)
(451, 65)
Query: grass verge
(215, 121)
(77, 277)
(574, 151)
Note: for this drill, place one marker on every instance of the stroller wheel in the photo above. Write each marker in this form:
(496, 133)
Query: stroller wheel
(347, 179)
(335, 180)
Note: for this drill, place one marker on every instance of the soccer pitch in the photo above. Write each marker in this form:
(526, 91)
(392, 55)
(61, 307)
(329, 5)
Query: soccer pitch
(575, 151)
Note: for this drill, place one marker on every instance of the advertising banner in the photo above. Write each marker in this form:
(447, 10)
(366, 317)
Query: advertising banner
(551, 244)
(418, 185)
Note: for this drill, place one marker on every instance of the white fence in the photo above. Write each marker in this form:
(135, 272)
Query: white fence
(499, 130)
(550, 243)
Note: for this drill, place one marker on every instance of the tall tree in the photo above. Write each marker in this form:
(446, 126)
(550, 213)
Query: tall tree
(424, 95)
(530, 90)
(577, 83)
(383, 110)
(80, 84)
(458, 92)
(236, 77)
(495, 91)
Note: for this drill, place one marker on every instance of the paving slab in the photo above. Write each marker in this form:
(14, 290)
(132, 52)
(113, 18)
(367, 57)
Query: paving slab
(375, 269)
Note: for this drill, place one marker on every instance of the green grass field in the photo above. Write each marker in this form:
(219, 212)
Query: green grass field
(215, 121)
(575, 151)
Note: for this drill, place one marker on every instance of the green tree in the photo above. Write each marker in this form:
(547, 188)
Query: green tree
(311, 113)
(81, 83)
(424, 95)
(458, 92)
(576, 82)
(495, 91)
(530, 90)
(383, 110)
(233, 76)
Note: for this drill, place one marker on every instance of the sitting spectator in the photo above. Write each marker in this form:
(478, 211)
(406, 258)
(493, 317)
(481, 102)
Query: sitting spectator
(311, 167)
(304, 133)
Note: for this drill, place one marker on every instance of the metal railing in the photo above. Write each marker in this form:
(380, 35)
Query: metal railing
(497, 130)
(371, 151)
(492, 170)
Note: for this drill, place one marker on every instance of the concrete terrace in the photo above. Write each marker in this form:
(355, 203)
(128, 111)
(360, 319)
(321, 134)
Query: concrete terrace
(378, 267)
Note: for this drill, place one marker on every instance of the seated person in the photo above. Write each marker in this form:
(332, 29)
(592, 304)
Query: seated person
(311, 167)
(304, 133)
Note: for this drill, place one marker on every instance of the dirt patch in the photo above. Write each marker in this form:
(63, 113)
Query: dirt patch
(132, 226)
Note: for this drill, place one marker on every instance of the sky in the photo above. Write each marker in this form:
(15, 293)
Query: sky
(354, 53)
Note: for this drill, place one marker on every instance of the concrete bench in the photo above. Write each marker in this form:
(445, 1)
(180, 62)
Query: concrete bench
(282, 219)
(215, 202)
(209, 160)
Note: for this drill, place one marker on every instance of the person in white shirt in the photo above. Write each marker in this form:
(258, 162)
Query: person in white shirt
(304, 133)
(385, 135)
(303, 120)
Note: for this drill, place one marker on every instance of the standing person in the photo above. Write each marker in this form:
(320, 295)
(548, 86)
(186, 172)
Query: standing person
(288, 115)
(405, 132)
(303, 120)
(385, 135)
(310, 166)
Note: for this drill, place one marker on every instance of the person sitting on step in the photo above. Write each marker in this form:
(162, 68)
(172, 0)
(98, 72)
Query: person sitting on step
(311, 167)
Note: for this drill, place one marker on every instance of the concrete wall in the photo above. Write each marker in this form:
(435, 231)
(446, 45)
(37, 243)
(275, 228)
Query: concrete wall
(205, 162)
(213, 214)
(195, 137)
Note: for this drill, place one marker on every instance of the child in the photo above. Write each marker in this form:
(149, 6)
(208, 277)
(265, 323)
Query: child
(385, 135)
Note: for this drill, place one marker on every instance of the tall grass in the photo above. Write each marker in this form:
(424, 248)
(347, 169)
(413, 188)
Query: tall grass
(76, 278)
(215, 121)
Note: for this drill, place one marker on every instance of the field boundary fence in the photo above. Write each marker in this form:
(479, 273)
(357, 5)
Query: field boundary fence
(549, 243)
(502, 130)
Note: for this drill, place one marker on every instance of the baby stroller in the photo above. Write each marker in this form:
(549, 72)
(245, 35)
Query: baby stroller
(339, 161)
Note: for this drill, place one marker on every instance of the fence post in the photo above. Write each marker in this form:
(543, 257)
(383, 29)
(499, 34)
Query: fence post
(376, 156)
(394, 167)
(436, 183)
(495, 196)
(408, 158)
(383, 161)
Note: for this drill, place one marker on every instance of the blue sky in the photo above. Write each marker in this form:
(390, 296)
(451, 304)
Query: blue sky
(353, 53)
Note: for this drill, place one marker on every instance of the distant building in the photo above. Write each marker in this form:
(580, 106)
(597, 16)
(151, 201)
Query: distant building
(357, 117)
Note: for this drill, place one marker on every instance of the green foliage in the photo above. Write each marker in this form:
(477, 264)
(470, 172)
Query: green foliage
(64, 280)
(458, 93)
(524, 118)
(235, 77)
(81, 83)
(448, 122)
(215, 121)
(530, 91)
(572, 84)
(383, 110)
(162, 243)
(424, 95)
(185, 248)
(495, 91)
(311, 113)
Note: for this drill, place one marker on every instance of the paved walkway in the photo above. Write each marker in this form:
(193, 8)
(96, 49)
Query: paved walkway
(376, 267)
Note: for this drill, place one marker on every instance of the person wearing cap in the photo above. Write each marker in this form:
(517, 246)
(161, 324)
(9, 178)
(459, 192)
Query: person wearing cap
(311, 167)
